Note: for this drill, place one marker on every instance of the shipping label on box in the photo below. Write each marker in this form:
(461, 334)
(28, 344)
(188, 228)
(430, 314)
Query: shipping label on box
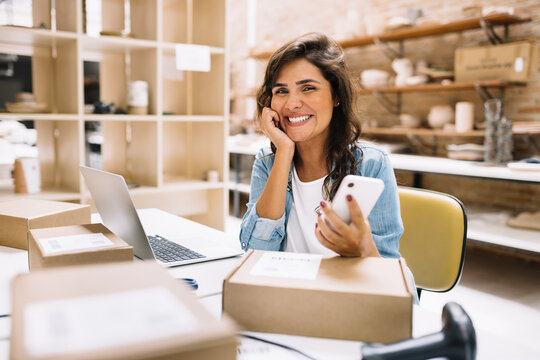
(516, 61)
(113, 311)
(364, 299)
(75, 245)
(17, 217)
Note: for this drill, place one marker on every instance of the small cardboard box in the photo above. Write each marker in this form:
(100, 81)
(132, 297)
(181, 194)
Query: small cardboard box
(17, 217)
(516, 61)
(113, 311)
(75, 245)
(363, 299)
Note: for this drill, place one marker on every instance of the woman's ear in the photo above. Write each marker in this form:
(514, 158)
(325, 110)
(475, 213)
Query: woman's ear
(336, 103)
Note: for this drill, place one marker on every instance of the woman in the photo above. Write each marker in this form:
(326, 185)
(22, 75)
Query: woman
(306, 108)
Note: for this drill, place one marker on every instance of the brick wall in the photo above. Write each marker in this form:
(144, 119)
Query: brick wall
(281, 20)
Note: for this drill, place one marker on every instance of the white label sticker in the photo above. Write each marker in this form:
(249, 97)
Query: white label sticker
(192, 57)
(288, 265)
(58, 244)
(518, 64)
(89, 323)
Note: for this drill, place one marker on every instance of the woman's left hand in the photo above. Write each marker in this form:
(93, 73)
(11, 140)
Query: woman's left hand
(352, 239)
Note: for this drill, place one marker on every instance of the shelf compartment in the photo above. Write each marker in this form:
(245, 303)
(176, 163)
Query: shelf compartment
(120, 117)
(194, 22)
(490, 227)
(131, 150)
(143, 17)
(59, 151)
(117, 69)
(191, 92)
(439, 87)
(190, 149)
(7, 193)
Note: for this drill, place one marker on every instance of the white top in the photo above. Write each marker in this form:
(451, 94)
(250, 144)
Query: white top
(302, 218)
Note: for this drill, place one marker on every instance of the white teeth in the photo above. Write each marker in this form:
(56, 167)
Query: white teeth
(298, 119)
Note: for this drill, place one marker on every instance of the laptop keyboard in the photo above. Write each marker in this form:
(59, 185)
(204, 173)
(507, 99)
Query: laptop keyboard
(167, 251)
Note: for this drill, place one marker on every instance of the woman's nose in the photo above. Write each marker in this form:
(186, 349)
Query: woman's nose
(293, 102)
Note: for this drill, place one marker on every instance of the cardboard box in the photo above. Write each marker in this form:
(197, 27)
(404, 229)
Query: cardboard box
(75, 245)
(363, 299)
(516, 61)
(114, 311)
(17, 217)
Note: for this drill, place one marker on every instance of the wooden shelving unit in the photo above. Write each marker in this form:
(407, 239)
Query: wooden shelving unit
(439, 87)
(166, 156)
(420, 131)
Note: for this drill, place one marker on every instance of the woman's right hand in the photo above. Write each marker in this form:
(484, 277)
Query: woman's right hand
(270, 123)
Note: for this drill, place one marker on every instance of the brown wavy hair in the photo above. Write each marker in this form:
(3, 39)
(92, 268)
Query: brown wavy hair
(345, 129)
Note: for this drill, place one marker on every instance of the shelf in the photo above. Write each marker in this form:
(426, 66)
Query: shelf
(182, 183)
(193, 118)
(436, 165)
(112, 117)
(439, 87)
(116, 44)
(490, 227)
(170, 49)
(37, 116)
(243, 188)
(19, 35)
(420, 131)
(7, 193)
(439, 29)
(420, 31)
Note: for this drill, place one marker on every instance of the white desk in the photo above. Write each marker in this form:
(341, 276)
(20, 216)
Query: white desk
(209, 276)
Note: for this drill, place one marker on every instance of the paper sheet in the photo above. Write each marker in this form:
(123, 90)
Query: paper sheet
(59, 244)
(288, 265)
(192, 57)
(89, 323)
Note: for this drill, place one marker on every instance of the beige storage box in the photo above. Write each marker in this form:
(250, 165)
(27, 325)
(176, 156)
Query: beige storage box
(364, 299)
(17, 217)
(515, 61)
(113, 311)
(75, 245)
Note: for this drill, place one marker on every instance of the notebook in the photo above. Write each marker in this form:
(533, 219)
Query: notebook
(113, 202)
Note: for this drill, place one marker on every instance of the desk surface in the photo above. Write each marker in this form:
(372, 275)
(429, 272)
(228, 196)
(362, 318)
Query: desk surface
(210, 277)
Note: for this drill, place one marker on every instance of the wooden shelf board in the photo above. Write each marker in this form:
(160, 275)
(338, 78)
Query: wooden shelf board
(243, 188)
(170, 48)
(439, 29)
(7, 193)
(420, 131)
(115, 44)
(420, 31)
(439, 87)
(193, 118)
(32, 36)
(175, 183)
(38, 116)
(112, 117)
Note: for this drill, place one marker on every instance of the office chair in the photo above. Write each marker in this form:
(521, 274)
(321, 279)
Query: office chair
(434, 236)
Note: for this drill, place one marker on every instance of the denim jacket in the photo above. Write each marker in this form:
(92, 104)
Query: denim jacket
(384, 219)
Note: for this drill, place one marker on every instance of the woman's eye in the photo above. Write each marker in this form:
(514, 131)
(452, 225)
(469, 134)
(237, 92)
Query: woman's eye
(280, 91)
(308, 88)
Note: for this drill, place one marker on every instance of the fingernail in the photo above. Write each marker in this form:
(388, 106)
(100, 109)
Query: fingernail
(323, 204)
(318, 213)
(316, 225)
(349, 197)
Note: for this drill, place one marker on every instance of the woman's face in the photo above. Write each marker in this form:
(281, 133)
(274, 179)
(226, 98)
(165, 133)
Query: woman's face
(303, 99)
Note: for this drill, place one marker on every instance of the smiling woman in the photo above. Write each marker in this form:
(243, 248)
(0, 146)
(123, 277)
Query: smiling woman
(306, 109)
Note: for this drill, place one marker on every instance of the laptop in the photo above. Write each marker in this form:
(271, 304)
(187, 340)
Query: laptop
(113, 202)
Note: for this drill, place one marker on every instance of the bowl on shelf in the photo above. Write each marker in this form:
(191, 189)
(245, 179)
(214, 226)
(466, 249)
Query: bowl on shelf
(26, 107)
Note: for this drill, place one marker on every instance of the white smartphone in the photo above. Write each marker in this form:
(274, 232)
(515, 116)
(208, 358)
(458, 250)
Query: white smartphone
(364, 190)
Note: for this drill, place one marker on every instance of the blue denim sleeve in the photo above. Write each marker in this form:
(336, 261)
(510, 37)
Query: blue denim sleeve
(385, 218)
(256, 232)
